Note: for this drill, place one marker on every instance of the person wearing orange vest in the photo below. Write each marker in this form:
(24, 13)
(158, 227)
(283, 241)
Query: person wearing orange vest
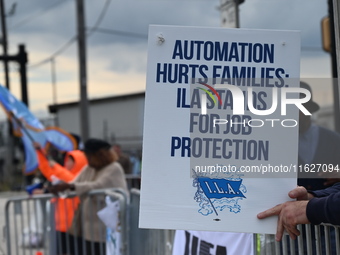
(74, 162)
(103, 171)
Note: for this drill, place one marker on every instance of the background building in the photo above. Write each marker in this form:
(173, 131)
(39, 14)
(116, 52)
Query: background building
(117, 119)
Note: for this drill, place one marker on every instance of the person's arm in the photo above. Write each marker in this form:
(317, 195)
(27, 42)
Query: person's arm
(44, 165)
(113, 177)
(326, 192)
(57, 170)
(324, 209)
(62, 173)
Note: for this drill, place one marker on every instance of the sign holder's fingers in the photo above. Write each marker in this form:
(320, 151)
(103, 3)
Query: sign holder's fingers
(270, 212)
(279, 230)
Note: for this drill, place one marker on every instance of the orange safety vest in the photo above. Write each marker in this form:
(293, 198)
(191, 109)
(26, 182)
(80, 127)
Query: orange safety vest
(65, 208)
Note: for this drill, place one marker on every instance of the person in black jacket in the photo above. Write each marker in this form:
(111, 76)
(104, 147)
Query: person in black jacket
(318, 148)
(318, 158)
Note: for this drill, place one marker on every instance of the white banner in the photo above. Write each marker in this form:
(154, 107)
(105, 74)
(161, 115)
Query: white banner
(208, 243)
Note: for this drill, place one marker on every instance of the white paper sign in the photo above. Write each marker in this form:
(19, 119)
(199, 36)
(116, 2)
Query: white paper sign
(220, 138)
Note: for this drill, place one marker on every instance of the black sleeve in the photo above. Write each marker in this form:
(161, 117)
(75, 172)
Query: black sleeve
(324, 209)
(326, 192)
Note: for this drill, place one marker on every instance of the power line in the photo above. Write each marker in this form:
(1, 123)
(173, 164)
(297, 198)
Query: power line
(93, 29)
(122, 33)
(101, 17)
(118, 32)
(34, 16)
(74, 38)
(55, 54)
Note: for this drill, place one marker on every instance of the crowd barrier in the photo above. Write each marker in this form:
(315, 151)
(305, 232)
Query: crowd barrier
(147, 241)
(27, 224)
(30, 229)
(321, 239)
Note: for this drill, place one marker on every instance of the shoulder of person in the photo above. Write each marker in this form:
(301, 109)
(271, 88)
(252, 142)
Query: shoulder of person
(84, 172)
(329, 133)
(114, 166)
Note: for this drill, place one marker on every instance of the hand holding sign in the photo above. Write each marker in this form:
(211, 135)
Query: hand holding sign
(290, 213)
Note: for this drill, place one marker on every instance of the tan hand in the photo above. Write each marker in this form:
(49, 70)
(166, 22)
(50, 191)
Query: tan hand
(38, 192)
(52, 162)
(290, 214)
(60, 187)
(300, 193)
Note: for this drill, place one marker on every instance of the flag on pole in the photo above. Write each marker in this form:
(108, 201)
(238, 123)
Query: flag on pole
(30, 129)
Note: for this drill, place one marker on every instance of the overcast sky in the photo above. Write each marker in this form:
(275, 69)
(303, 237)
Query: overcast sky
(117, 60)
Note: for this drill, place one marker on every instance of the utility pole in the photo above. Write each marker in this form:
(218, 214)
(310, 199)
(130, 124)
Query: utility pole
(335, 46)
(54, 89)
(21, 59)
(332, 21)
(237, 13)
(4, 41)
(8, 169)
(336, 13)
(84, 112)
(229, 10)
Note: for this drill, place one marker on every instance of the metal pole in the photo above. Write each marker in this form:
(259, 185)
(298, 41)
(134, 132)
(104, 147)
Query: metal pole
(332, 21)
(8, 171)
(336, 13)
(54, 89)
(23, 74)
(84, 115)
(4, 41)
(237, 15)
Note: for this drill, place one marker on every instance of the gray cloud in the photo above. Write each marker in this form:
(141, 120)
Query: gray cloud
(45, 26)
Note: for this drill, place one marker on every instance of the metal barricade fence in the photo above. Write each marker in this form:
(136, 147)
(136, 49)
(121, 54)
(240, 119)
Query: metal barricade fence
(24, 224)
(314, 240)
(321, 239)
(31, 228)
(147, 241)
(31, 224)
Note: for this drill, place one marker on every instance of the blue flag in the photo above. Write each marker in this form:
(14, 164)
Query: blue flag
(219, 188)
(29, 128)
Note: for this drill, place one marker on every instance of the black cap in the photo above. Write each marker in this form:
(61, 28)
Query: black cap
(93, 145)
(310, 105)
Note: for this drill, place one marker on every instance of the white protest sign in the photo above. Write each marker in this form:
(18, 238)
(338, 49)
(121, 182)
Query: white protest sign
(209, 163)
